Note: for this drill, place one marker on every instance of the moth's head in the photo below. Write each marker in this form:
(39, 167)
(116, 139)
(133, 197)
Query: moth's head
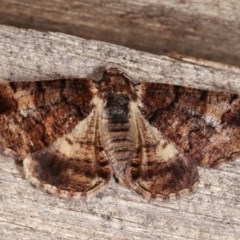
(114, 82)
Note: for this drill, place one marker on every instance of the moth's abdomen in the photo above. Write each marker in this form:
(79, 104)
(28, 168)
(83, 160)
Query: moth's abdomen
(119, 143)
(117, 137)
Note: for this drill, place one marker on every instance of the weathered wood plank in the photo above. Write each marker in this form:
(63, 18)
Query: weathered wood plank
(116, 212)
(201, 28)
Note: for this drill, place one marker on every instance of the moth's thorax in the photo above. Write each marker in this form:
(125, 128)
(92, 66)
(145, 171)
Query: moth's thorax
(116, 92)
(116, 108)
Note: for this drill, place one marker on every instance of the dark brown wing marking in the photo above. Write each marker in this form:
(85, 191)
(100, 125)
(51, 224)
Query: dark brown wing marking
(204, 125)
(158, 168)
(56, 122)
(34, 114)
(74, 165)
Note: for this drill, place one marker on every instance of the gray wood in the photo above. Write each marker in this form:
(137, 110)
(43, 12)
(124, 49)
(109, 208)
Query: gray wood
(204, 28)
(212, 212)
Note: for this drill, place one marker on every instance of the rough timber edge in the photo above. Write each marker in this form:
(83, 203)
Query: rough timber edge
(42, 58)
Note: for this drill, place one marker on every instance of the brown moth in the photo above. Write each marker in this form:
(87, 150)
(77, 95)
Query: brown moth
(73, 135)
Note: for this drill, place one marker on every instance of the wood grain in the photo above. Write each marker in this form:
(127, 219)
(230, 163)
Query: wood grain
(212, 212)
(207, 29)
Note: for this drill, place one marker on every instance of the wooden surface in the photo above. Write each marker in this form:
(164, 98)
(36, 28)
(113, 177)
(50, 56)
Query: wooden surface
(212, 212)
(204, 28)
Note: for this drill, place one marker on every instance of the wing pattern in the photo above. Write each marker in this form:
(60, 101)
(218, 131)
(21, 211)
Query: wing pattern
(48, 123)
(203, 124)
(73, 135)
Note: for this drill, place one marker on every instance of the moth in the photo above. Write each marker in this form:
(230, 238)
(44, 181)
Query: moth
(74, 135)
